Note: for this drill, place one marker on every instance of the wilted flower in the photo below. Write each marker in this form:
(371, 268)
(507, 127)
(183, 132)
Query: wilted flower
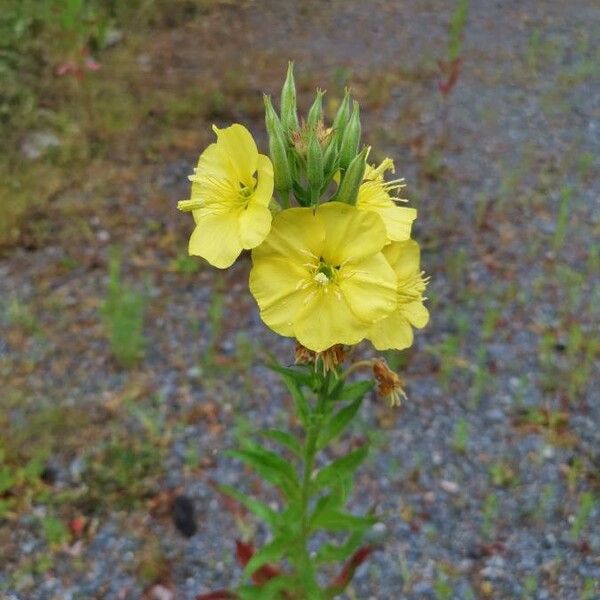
(395, 330)
(389, 385)
(320, 275)
(231, 190)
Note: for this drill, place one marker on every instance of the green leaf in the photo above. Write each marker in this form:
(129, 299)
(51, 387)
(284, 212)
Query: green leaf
(338, 423)
(262, 511)
(269, 591)
(299, 374)
(272, 467)
(283, 438)
(337, 471)
(336, 520)
(271, 552)
(356, 390)
(329, 552)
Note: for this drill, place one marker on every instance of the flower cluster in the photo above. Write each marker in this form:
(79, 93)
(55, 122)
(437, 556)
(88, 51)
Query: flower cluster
(339, 266)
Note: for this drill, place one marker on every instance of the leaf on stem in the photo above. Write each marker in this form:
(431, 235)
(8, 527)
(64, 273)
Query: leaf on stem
(283, 438)
(271, 552)
(340, 469)
(336, 424)
(262, 511)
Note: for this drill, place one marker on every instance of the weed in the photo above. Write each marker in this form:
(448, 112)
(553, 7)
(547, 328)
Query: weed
(587, 505)
(591, 587)
(123, 312)
(489, 515)
(502, 475)
(185, 264)
(55, 532)
(458, 22)
(562, 219)
(460, 436)
(442, 588)
(530, 586)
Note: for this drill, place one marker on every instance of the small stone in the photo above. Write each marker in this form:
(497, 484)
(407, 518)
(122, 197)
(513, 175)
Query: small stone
(160, 592)
(183, 515)
(451, 487)
(37, 143)
(103, 236)
(436, 458)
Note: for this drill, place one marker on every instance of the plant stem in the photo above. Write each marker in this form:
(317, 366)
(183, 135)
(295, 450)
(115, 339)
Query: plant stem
(307, 573)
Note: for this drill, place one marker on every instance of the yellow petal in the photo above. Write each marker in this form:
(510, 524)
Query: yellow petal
(350, 233)
(264, 187)
(398, 221)
(297, 234)
(237, 144)
(254, 223)
(369, 287)
(274, 285)
(416, 314)
(392, 332)
(404, 258)
(212, 163)
(328, 320)
(216, 238)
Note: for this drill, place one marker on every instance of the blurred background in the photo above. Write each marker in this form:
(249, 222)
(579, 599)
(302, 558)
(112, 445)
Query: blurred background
(126, 367)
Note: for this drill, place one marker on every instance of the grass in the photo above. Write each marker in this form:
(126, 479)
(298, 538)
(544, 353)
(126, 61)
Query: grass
(123, 313)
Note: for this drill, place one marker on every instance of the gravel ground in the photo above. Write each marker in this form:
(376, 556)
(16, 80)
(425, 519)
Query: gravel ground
(481, 476)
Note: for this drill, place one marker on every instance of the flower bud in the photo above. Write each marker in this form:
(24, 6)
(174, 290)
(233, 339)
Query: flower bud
(289, 116)
(331, 155)
(353, 177)
(277, 149)
(315, 113)
(351, 138)
(342, 115)
(314, 167)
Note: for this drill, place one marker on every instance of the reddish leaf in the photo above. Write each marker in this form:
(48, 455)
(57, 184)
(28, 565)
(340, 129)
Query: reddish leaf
(218, 595)
(244, 552)
(346, 574)
(451, 71)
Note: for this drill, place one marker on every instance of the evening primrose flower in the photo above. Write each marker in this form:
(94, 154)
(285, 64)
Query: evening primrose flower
(320, 275)
(395, 330)
(231, 190)
(374, 195)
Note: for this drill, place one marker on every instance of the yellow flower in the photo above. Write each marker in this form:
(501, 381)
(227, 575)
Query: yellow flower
(374, 195)
(231, 190)
(395, 331)
(320, 275)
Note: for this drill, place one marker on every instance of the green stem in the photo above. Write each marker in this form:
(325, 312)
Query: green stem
(307, 572)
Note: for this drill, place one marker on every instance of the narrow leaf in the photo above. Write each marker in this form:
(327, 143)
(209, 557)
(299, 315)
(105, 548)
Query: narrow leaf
(338, 423)
(341, 468)
(262, 511)
(330, 552)
(273, 551)
(356, 390)
(283, 438)
(335, 520)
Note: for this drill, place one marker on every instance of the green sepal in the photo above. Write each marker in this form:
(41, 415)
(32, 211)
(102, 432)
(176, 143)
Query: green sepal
(314, 168)
(341, 468)
(337, 423)
(342, 115)
(315, 113)
(260, 510)
(352, 178)
(278, 149)
(284, 438)
(289, 115)
(351, 138)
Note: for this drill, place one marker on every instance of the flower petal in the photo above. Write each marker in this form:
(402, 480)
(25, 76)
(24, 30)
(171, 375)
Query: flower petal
(216, 238)
(416, 313)
(350, 233)
(274, 285)
(369, 287)
(398, 221)
(255, 223)
(297, 235)
(393, 332)
(212, 163)
(264, 186)
(328, 320)
(237, 144)
(404, 258)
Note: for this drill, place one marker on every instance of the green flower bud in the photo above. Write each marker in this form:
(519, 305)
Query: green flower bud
(289, 116)
(278, 149)
(342, 115)
(314, 167)
(351, 138)
(353, 178)
(315, 113)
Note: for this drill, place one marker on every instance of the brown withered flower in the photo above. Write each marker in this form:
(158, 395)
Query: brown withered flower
(389, 385)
